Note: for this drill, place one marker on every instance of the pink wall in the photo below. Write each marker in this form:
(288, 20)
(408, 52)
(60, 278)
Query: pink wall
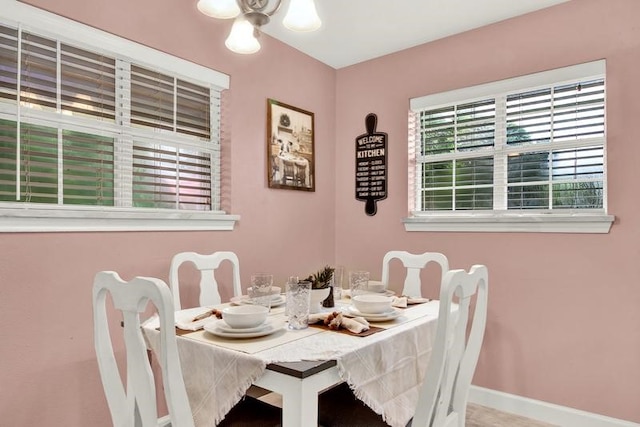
(563, 331)
(49, 374)
(563, 316)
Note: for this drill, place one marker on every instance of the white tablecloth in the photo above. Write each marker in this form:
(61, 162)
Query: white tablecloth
(384, 369)
(298, 161)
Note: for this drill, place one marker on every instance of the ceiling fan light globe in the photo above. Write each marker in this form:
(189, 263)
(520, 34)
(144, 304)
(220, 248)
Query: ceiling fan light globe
(241, 38)
(302, 16)
(222, 9)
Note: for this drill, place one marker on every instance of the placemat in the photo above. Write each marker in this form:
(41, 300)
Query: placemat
(252, 345)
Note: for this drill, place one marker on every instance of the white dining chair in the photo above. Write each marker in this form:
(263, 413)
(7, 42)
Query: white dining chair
(133, 402)
(288, 172)
(206, 264)
(443, 398)
(413, 263)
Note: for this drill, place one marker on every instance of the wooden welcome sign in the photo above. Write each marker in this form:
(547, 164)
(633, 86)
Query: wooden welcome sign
(371, 166)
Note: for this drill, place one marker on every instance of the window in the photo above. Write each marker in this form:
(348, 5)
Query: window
(88, 134)
(508, 155)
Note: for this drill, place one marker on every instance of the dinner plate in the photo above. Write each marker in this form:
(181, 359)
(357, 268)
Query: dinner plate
(267, 329)
(376, 317)
(244, 299)
(224, 327)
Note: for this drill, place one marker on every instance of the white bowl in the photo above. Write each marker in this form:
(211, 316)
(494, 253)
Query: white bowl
(372, 304)
(245, 316)
(376, 286)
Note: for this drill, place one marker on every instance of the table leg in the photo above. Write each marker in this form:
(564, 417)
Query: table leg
(300, 407)
(299, 395)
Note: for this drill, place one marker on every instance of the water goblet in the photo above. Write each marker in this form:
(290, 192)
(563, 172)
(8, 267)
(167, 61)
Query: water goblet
(336, 282)
(298, 297)
(260, 291)
(358, 282)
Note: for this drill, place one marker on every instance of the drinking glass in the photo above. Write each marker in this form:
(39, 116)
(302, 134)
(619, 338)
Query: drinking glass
(358, 282)
(260, 291)
(298, 297)
(336, 282)
(291, 279)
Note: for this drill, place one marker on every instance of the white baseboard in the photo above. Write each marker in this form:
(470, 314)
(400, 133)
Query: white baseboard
(542, 411)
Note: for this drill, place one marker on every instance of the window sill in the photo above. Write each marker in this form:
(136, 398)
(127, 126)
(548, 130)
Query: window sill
(27, 219)
(511, 223)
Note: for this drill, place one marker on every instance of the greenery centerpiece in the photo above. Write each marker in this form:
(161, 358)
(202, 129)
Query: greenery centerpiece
(322, 280)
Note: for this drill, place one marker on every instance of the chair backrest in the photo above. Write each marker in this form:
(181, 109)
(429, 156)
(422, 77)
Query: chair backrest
(135, 405)
(289, 170)
(443, 397)
(209, 294)
(301, 173)
(414, 263)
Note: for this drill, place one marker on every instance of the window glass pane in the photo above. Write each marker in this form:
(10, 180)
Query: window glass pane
(88, 83)
(38, 80)
(151, 99)
(529, 117)
(528, 197)
(478, 174)
(38, 164)
(154, 176)
(475, 125)
(194, 180)
(475, 171)
(438, 131)
(577, 195)
(517, 134)
(193, 112)
(437, 174)
(8, 63)
(88, 169)
(579, 110)
(466, 127)
(8, 157)
(528, 167)
(474, 198)
(164, 177)
(436, 200)
(578, 164)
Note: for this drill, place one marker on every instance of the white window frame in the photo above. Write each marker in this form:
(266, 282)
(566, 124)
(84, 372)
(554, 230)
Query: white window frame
(562, 221)
(24, 217)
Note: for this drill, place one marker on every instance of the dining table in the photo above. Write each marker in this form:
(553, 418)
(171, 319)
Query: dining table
(299, 163)
(384, 365)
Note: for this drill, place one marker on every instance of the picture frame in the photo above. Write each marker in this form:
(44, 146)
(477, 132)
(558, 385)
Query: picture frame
(290, 147)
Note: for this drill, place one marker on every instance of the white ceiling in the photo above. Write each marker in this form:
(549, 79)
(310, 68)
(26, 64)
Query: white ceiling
(358, 30)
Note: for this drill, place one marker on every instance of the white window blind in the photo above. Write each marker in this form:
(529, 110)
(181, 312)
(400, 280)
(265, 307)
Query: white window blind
(85, 126)
(532, 145)
(555, 140)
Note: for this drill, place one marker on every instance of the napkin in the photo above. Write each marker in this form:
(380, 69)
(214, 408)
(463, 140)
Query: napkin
(195, 323)
(336, 320)
(404, 301)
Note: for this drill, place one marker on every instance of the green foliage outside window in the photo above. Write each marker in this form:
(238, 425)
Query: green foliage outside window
(87, 174)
